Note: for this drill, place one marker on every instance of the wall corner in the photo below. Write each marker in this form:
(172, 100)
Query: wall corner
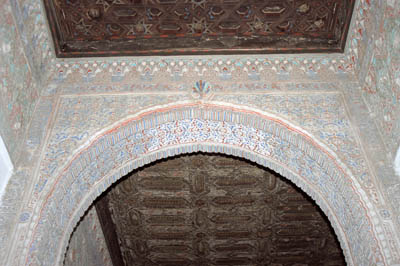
(6, 168)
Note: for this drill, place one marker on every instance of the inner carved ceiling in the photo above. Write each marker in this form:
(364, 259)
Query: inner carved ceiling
(213, 210)
(82, 28)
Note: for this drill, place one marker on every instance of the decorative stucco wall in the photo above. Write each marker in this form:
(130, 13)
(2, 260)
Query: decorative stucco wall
(378, 40)
(18, 89)
(31, 24)
(87, 245)
(19, 94)
(348, 103)
(381, 87)
(67, 196)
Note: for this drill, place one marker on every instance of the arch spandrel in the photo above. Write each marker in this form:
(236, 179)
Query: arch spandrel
(165, 132)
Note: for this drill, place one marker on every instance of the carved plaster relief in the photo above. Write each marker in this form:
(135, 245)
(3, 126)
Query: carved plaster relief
(151, 145)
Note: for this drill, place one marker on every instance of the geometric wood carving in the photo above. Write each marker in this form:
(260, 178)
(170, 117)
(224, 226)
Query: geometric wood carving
(216, 210)
(171, 27)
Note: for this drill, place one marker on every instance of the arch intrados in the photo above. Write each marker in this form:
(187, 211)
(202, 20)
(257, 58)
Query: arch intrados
(284, 170)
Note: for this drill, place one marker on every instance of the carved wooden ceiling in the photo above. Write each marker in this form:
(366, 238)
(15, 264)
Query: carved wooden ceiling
(82, 28)
(213, 210)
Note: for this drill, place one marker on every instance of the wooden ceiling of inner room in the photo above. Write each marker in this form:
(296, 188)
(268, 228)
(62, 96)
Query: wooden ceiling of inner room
(83, 28)
(213, 210)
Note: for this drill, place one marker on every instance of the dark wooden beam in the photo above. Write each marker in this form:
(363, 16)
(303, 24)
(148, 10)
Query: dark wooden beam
(108, 227)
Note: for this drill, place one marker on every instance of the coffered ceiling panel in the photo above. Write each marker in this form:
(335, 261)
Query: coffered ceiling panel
(170, 27)
(214, 210)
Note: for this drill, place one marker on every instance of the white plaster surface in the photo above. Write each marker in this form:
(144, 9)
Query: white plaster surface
(397, 163)
(6, 168)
